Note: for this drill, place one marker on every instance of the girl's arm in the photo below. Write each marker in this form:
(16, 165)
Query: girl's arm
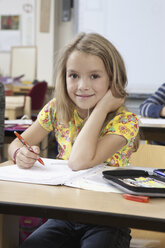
(162, 112)
(33, 136)
(90, 150)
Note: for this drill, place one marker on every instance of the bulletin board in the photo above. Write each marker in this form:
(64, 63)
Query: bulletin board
(17, 23)
(137, 29)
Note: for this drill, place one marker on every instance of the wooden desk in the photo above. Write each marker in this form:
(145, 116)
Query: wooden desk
(23, 89)
(78, 205)
(17, 106)
(152, 132)
(13, 112)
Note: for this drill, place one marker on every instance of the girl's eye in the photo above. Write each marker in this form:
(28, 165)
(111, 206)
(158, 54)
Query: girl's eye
(94, 76)
(73, 75)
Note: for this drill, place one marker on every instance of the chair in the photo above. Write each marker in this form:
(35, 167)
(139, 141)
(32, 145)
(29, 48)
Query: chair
(149, 156)
(2, 112)
(37, 94)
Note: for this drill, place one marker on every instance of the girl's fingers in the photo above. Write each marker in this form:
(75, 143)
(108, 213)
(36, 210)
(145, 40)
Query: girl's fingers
(26, 158)
(36, 149)
(28, 154)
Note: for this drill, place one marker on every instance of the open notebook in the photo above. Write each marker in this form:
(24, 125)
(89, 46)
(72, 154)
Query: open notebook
(57, 172)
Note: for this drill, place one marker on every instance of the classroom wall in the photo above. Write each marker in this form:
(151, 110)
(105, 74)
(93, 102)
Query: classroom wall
(136, 28)
(4, 63)
(45, 46)
(47, 43)
(61, 32)
(23, 36)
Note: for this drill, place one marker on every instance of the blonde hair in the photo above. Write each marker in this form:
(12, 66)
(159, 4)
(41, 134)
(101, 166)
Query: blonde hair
(93, 44)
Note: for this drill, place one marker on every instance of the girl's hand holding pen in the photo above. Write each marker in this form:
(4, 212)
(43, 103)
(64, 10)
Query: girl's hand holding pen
(34, 150)
(25, 159)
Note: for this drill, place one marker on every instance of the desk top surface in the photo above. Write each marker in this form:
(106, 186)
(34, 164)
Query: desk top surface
(46, 201)
(66, 197)
(151, 122)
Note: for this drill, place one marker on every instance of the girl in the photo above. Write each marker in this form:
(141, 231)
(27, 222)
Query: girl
(91, 127)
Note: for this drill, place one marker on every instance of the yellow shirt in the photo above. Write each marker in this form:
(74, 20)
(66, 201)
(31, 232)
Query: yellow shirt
(124, 123)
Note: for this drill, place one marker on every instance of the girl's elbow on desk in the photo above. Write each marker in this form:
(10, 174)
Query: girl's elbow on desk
(79, 164)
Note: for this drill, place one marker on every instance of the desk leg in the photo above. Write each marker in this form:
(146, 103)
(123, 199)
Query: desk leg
(9, 231)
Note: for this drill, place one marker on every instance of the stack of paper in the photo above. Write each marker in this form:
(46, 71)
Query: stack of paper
(19, 124)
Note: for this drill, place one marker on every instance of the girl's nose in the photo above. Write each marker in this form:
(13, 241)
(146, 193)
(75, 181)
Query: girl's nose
(84, 84)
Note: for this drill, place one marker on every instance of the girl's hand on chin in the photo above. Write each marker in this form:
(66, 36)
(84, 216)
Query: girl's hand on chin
(110, 103)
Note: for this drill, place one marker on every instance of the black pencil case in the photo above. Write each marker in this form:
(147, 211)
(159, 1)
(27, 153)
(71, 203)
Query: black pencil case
(137, 182)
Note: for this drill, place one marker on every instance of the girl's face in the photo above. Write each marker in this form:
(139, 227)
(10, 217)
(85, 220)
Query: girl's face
(86, 79)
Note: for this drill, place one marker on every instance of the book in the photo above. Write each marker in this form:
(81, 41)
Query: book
(57, 172)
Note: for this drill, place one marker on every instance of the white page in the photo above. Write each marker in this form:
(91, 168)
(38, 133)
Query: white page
(94, 180)
(54, 172)
(57, 172)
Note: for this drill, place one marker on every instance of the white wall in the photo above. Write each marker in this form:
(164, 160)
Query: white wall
(45, 46)
(5, 63)
(137, 29)
(63, 30)
(48, 44)
(24, 36)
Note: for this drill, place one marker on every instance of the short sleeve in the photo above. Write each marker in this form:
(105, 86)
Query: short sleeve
(47, 116)
(124, 124)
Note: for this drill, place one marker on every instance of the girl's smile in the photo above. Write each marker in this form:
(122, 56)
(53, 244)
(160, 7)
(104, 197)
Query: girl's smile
(86, 79)
(84, 95)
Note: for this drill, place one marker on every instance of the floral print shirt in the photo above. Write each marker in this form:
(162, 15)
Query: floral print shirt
(124, 123)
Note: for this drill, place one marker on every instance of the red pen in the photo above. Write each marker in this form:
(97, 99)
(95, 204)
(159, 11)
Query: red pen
(27, 145)
(138, 198)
